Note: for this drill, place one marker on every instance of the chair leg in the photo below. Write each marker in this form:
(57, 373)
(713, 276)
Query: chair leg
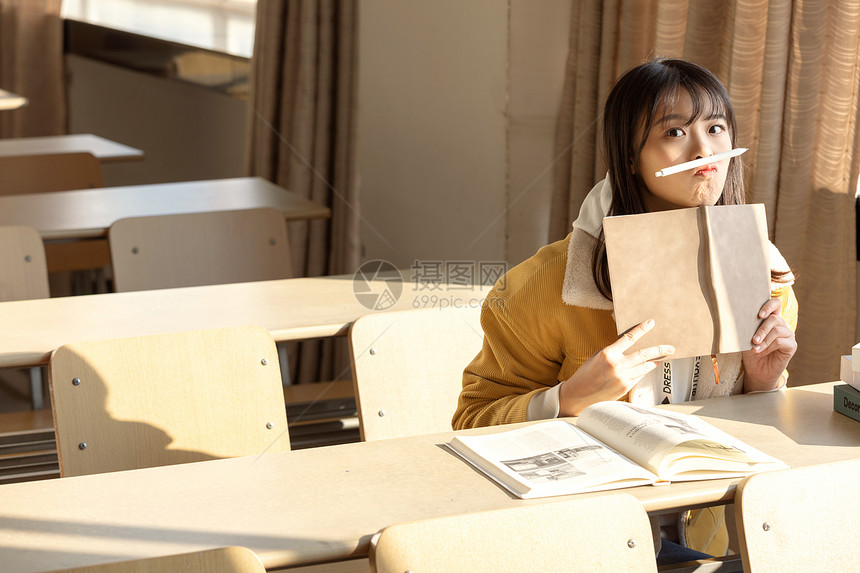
(37, 397)
(101, 281)
(284, 362)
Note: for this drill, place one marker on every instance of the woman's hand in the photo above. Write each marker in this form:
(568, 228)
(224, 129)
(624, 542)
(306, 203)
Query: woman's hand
(610, 374)
(773, 347)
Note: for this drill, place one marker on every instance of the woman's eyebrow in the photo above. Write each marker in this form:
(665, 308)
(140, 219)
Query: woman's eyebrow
(671, 118)
(680, 118)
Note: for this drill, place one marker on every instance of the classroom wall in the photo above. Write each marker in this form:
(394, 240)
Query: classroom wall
(456, 121)
(539, 33)
(187, 132)
(432, 104)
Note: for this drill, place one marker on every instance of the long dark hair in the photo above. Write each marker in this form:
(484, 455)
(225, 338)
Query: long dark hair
(630, 111)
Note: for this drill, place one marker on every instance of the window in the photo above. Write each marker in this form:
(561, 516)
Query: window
(225, 26)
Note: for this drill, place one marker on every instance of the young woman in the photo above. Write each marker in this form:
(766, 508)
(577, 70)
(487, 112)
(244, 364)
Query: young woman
(550, 343)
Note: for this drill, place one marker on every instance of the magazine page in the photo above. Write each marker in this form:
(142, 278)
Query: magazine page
(549, 458)
(672, 444)
(718, 455)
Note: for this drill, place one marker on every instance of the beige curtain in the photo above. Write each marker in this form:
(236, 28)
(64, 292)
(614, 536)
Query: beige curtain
(302, 137)
(31, 65)
(792, 68)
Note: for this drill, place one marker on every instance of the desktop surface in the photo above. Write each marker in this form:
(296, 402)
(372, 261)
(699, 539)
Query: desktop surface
(325, 503)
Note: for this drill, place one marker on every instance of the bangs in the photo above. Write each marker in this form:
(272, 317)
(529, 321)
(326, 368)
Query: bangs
(706, 103)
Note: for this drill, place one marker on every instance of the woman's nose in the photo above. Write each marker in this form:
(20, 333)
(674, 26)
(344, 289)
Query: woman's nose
(701, 148)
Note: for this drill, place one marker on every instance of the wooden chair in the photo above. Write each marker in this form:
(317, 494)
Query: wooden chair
(24, 275)
(43, 173)
(23, 268)
(49, 172)
(165, 399)
(195, 249)
(605, 533)
(221, 560)
(799, 519)
(408, 368)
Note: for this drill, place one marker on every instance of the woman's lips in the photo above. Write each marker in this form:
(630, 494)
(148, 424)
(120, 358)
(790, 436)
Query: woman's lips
(707, 170)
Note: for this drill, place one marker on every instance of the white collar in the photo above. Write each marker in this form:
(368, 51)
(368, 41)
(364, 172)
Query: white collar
(594, 208)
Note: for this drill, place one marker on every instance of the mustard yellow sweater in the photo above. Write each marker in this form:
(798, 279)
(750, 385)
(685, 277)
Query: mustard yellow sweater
(533, 340)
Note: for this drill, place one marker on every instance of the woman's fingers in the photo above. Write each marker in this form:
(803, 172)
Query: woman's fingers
(638, 371)
(772, 328)
(632, 335)
(772, 306)
(778, 338)
(652, 354)
(638, 364)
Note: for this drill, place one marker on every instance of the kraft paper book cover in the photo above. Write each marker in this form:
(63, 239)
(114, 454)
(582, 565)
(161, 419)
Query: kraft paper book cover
(701, 273)
(613, 445)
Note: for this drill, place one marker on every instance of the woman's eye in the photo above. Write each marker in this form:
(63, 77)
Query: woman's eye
(717, 129)
(675, 132)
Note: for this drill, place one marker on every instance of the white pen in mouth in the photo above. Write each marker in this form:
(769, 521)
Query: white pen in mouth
(699, 162)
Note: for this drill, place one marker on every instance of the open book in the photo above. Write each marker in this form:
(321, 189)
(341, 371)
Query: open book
(701, 273)
(613, 445)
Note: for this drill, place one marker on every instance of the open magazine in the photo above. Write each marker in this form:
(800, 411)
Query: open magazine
(613, 445)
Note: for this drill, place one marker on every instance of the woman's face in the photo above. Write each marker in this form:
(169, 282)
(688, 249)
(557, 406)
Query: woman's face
(673, 140)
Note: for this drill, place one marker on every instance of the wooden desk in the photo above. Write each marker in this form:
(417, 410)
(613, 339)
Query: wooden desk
(291, 309)
(104, 149)
(325, 503)
(85, 215)
(88, 213)
(8, 100)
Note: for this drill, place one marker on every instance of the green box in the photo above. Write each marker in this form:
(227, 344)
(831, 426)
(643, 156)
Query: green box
(846, 400)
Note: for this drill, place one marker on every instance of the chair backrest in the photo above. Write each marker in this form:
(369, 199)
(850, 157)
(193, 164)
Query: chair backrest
(408, 367)
(164, 399)
(49, 172)
(194, 249)
(23, 267)
(604, 533)
(221, 560)
(799, 519)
